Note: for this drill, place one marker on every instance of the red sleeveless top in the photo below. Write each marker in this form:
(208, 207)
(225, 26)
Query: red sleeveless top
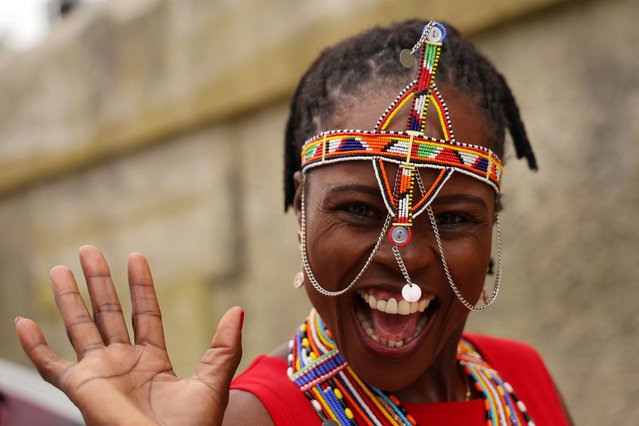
(517, 363)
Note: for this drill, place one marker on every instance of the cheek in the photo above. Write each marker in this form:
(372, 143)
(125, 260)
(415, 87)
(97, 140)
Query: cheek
(335, 253)
(468, 260)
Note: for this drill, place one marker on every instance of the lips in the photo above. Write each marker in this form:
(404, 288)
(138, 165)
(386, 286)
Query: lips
(390, 321)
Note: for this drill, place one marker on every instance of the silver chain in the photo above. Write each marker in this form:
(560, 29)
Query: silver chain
(422, 38)
(400, 262)
(398, 258)
(306, 263)
(451, 282)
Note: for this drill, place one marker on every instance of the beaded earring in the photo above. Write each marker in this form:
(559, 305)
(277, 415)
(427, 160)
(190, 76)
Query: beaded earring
(409, 150)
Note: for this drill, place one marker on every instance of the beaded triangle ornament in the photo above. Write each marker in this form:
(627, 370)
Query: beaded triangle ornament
(339, 396)
(409, 150)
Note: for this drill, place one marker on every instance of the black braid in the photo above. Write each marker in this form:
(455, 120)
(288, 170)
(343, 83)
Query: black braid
(370, 60)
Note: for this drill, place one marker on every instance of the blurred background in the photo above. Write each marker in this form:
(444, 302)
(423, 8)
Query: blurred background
(157, 126)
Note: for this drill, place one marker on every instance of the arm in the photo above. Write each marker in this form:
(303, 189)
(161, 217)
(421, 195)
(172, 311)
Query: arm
(116, 381)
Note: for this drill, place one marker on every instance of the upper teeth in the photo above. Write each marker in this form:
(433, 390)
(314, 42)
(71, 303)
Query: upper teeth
(392, 306)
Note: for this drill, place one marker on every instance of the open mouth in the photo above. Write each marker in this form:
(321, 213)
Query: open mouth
(388, 319)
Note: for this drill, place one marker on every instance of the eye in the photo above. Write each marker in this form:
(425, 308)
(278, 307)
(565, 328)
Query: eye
(451, 220)
(361, 211)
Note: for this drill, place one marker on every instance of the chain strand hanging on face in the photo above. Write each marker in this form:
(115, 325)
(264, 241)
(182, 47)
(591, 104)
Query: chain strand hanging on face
(449, 276)
(411, 292)
(307, 264)
(493, 294)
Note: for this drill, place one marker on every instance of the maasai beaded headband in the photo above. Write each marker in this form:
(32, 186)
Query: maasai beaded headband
(410, 150)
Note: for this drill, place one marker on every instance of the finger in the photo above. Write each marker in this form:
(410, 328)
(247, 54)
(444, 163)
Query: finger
(220, 362)
(81, 330)
(147, 318)
(107, 311)
(49, 365)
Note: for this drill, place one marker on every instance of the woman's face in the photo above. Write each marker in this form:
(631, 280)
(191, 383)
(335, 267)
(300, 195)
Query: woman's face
(344, 217)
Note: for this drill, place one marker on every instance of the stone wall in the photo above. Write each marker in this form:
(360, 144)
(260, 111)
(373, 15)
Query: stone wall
(156, 126)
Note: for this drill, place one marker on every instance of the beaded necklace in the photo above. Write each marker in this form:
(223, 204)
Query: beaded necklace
(339, 396)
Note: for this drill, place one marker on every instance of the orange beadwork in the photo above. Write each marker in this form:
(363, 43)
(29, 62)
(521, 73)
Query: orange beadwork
(342, 145)
(411, 148)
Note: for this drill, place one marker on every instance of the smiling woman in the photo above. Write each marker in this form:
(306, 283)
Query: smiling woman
(391, 287)
(396, 228)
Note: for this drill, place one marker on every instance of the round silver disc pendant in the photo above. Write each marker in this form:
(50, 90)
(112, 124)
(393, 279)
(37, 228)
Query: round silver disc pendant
(411, 292)
(399, 235)
(406, 59)
(435, 34)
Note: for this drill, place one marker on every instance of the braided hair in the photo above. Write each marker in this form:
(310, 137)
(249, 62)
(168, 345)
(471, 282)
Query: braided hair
(371, 59)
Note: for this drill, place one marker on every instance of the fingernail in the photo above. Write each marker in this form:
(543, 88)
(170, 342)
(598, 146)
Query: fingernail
(241, 318)
(17, 319)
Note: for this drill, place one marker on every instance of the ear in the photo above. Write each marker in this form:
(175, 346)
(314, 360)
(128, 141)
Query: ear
(297, 199)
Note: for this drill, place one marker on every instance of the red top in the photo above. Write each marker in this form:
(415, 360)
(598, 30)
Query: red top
(517, 363)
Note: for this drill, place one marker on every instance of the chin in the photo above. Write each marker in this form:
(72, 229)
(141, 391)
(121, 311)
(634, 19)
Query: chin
(390, 342)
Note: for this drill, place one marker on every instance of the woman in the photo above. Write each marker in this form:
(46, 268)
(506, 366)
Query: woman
(396, 224)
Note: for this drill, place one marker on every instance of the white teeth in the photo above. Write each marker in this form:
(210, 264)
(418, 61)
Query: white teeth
(403, 307)
(393, 306)
(381, 305)
(368, 328)
(423, 304)
(372, 302)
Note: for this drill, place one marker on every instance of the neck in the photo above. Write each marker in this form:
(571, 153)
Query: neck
(442, 381)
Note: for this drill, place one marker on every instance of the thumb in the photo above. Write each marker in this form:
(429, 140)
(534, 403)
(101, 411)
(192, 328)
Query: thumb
(220, 362)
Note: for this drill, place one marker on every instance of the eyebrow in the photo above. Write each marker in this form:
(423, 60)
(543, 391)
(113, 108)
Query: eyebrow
(459, 198)
(359, 188)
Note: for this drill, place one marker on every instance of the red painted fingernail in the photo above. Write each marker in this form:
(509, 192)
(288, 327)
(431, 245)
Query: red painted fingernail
(241, 319)
(17, 319)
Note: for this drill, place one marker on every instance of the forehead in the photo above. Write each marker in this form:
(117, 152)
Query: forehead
(361, 110)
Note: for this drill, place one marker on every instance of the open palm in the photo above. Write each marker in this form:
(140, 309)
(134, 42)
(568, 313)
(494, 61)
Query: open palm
(115, 381)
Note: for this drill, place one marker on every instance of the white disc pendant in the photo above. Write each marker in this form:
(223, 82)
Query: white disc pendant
(411, 292)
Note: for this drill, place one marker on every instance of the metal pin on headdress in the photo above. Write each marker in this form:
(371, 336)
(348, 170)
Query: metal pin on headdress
(409, 150)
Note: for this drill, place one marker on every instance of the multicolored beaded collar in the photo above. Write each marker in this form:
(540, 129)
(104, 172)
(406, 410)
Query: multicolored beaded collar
(410, 150)
(339, 396)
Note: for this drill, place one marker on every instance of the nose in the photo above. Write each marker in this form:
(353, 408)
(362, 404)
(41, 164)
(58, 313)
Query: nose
(419, 254)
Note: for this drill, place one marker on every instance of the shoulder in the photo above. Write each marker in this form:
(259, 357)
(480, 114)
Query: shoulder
(500, 349)
(516, 361)
(264, 390)
(245, 408)
(521, 365)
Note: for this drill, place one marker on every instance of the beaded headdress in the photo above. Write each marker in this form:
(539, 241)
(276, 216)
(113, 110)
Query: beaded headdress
(410, 150)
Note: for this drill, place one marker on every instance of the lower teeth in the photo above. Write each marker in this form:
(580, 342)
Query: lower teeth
(368, 327)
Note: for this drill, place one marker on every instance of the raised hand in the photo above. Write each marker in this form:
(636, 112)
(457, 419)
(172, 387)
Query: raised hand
(115, 381)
